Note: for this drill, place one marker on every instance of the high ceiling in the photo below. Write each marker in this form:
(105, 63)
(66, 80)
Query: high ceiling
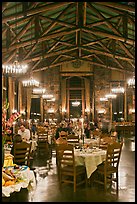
(47, 34)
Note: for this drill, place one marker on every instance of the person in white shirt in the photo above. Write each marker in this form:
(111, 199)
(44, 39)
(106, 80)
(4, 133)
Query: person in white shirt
(25, 133)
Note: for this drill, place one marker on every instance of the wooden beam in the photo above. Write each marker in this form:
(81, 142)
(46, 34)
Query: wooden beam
(34, 11)
(118, 6)
(112, 36)
(93, 42)
(52, 54)
(91, 62)
(122, 45)
(22, 32)
(104, 47)
(66, 24)
(107, 54)
(4, 5)
(100, 22)
(84, 13)
(41, 39)
(102, 18)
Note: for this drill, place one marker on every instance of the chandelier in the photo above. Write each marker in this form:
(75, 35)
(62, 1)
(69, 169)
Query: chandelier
(75, 103)
(38, 90)
(131, 82)
(30, 83)
(111, 96)
(47, 96)
(118, 90)
(104, 99)
(15, 68)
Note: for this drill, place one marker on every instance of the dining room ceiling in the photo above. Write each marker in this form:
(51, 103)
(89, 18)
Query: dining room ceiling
(47, 34)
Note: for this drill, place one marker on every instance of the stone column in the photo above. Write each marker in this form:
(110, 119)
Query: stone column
(110, 107)
(63, 96)
(87, 96)
(41, 109)
(29, 90)
(20, 97)
(11, 96)
(125, 102)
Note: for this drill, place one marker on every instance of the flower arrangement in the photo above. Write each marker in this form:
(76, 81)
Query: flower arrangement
(7, 124)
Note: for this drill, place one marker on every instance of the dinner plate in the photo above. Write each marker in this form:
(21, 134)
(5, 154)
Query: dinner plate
(15, 170)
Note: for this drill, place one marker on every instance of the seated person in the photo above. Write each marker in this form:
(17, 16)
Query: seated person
(16, 139)
(62, 138)
(25, 133)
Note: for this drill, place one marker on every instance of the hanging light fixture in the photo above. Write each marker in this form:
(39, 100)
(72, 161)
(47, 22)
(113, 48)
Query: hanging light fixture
(118, 89)
(110, 96)
(75, 103)
(47, 96)
(131, 82)
(16, 67)
(38, 90)
(103, 99)
(30, 82)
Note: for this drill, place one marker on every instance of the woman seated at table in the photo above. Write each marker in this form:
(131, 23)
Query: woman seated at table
(62, 138)
(16, 139)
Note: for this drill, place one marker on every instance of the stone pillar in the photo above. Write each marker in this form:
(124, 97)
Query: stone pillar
(20, 107)
(110, 107)
(87, 97)
(125, 102)
(11, 96)
(29, 90)
(63, 96)
(41, 109)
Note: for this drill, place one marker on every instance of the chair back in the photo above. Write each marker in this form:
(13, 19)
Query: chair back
(113, 155)
(63, 134)
(106, 139)
(22, 153)
(43, 135)
(73, 139)
(43, 141)
(65, 155)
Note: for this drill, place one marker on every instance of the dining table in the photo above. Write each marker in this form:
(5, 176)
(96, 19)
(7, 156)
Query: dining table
(25, 178)
(90, 158)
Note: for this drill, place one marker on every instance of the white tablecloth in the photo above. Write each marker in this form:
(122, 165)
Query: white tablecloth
(90, 158)
(33, 145)
(91, 142)
(29, 181)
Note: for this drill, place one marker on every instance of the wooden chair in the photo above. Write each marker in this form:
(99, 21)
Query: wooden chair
(73, 139)
(22, 153)
(96, 133)
(105, 139)
(63, 134)
(108, 171)
(42, 142)
(68, 172)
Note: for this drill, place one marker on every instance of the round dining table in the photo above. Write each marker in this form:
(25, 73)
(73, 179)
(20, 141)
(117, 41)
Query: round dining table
(90, 158)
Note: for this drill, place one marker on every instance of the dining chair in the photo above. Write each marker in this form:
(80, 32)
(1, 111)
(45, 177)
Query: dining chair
(105, 139)
(22, 153)
(73, 139)
(67, 170)
(63, 134)
(96, 133)
(42, 142)
(107, 172)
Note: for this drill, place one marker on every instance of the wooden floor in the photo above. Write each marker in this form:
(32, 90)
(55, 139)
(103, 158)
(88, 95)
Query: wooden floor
(47, 189)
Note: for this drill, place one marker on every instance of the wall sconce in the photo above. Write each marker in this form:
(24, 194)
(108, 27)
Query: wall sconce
(101, 111)
(64, 111)
(87, 110)
(104, 99)
(50, 110)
